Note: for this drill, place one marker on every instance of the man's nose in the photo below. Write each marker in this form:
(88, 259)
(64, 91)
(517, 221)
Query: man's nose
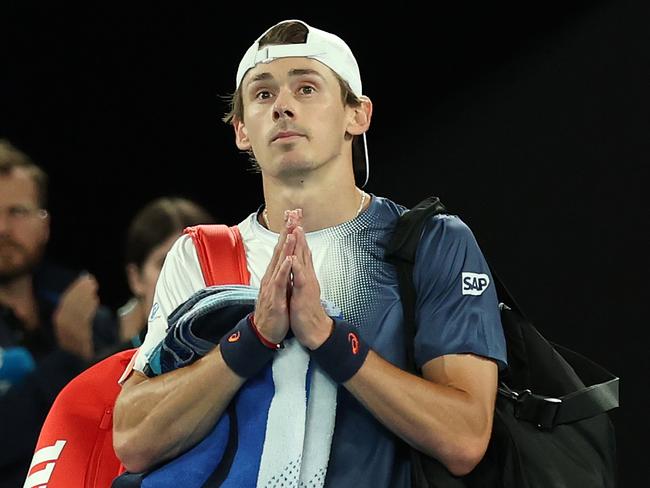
(283, 106)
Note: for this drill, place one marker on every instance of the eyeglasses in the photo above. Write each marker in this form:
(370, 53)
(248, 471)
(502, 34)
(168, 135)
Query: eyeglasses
(22, 213)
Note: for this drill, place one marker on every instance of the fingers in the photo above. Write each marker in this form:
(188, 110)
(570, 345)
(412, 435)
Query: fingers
(277, 252)
(272, 306)
(302, 248)
(292, 218)
(298, 271)
(82, 292)
(73, 316)
(83, 285)
(287, 251)
(303, 254)
(283, 274)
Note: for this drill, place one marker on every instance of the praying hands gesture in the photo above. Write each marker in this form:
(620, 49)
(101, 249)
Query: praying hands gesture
(289, 292)
(272, 307)
(309, 322)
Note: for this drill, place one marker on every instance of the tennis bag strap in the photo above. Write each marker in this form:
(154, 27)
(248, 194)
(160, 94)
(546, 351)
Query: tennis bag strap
(220, 249)
(222, 258)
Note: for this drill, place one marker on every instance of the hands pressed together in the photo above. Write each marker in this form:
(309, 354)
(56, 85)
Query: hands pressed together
(289, 294)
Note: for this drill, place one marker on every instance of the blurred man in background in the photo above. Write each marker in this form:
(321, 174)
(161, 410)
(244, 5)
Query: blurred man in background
(51, 321)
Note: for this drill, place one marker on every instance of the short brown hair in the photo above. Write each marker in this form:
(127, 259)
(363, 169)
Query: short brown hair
(12, 158)
(157, 221)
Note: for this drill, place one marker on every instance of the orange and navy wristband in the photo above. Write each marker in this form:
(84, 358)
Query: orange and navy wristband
(343, 353)
(243, 350)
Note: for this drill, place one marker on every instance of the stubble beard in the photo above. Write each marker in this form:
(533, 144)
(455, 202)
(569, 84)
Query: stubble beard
(16, 261)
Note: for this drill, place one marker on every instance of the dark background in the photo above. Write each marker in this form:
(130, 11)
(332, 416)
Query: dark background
(531, 122)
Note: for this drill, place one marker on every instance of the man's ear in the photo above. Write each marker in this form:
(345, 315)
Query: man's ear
(241, 135)
(135, 280)
(360, 117)
(46, 224)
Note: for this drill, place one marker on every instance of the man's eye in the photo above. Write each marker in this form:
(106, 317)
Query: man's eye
(307, 90)
(18, 211)
(263, 95)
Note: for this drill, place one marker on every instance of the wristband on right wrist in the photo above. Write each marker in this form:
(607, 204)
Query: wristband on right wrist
(243, 351)
(271, 345)
(343, 353)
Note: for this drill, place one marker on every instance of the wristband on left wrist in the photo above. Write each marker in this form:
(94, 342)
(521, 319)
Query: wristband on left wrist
(343, 353)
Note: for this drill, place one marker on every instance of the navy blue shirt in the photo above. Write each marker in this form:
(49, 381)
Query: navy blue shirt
(456, 312)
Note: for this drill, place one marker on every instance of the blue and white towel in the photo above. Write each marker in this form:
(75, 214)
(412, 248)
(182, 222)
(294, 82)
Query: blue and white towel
(278, 429)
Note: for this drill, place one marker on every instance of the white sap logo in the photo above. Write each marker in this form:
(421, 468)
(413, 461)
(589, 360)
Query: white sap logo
(475, 283)
(44, 455)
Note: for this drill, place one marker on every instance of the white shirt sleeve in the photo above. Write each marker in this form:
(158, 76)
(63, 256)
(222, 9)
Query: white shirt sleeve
(179, 278)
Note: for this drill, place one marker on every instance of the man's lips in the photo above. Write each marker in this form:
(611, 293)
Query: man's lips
(285, 135)
(7, 244)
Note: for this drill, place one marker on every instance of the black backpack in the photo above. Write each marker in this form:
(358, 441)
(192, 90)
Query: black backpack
(551, 429)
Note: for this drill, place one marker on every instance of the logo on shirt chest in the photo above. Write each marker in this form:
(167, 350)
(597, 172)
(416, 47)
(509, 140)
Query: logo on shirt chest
(475, 283)
(154, 312)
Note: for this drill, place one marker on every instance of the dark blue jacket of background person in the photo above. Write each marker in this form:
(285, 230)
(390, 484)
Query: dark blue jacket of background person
(36, 369)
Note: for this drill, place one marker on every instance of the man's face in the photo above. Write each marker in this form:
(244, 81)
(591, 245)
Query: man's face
(294, 118)
(142, 280)
(24, 227)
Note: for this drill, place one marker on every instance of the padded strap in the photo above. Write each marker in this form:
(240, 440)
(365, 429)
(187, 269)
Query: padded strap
(221, 253)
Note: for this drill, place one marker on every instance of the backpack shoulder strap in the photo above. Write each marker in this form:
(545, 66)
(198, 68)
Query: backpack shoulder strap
(221, 253)
(409, 227)
(401, 252)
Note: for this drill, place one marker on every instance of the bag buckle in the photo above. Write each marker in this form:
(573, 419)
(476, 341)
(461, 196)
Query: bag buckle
(538, 409)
